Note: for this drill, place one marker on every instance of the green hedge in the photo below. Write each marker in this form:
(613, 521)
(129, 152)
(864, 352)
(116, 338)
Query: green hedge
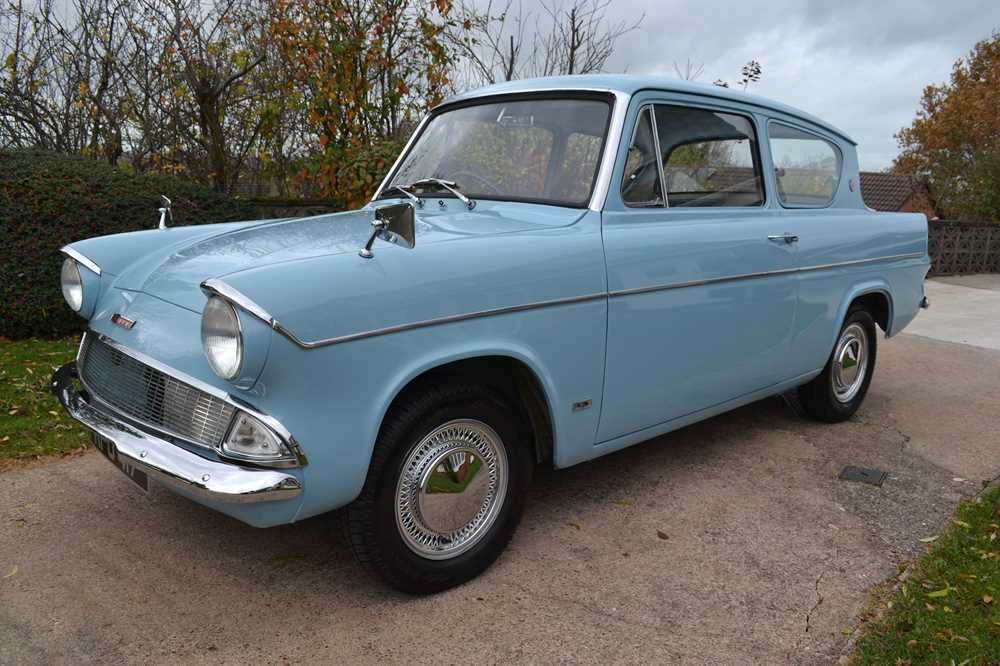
(48, 200)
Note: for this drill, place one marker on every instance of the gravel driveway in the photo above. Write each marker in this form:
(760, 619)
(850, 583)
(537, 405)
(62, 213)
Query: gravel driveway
(731, 541)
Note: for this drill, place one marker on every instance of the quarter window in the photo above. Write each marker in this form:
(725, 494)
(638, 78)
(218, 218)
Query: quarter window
(641, 181)
(806, 166)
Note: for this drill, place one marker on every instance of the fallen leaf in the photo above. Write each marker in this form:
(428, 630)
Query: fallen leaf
(987, 599)
(12, 412)
(937, 594)
(905, 591)
(962, 523)
(847, 631)
(12, 572)
(623, 503)
(911, 643)
(573, 525)
(663, 535)
(930, 539)
(930, 607)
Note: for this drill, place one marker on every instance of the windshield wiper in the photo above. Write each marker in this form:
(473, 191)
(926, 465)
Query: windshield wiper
(449, 185)
(405, 189)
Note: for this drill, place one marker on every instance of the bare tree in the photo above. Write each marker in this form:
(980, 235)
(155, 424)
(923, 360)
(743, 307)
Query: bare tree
(581, 38)
(690, 71)
(215, 46)
(507, 42)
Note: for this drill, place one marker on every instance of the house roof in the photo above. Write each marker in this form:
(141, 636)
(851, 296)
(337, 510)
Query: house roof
(631, 84)
(887, 191)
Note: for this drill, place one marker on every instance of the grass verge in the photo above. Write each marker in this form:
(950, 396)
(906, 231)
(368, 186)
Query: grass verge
(948, 611)
(32, 423)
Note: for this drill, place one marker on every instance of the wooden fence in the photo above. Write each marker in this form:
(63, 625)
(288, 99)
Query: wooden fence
(963, 247)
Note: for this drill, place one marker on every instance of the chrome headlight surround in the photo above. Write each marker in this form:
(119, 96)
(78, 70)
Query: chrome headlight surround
(80, 281)
(71, 283)
(222, 338)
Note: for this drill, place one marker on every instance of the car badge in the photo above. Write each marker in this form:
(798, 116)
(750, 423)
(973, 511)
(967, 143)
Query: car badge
(122, 321)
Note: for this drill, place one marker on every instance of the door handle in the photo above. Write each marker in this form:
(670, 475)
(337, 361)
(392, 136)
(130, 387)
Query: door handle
(784, 238)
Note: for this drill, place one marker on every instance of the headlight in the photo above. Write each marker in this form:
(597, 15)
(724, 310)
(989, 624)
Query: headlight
(72, 284)
(252, 440)
(221, 338)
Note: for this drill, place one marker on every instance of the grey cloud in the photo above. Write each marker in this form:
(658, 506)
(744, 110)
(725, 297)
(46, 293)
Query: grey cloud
(860, 65)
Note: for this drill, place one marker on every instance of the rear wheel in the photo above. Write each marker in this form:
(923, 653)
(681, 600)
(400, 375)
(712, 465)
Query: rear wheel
(840, 389)
(445, 489)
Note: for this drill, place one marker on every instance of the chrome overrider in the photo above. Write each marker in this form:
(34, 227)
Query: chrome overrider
(171, 465)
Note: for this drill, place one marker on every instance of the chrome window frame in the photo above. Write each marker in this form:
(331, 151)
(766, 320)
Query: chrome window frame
(827, 140)
(648, 109)
(616, 124)
(749, 117)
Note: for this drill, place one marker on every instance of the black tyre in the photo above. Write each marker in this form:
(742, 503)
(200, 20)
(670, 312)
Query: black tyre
(445, 489)
(840, 389)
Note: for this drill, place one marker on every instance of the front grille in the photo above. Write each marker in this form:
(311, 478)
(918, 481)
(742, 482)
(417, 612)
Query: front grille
(151, 396)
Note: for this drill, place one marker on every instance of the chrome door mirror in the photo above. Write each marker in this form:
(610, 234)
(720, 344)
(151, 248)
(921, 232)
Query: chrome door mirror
(396, 224)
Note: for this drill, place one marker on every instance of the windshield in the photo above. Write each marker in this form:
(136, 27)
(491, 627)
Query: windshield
(538, 150)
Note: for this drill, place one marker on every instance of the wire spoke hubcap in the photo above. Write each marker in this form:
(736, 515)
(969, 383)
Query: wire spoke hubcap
(451, 489)
(850, 363)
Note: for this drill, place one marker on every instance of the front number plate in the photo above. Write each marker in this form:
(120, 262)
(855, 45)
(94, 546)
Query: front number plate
(110, 451)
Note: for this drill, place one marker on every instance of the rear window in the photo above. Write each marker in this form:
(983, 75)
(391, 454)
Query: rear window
(806, 166)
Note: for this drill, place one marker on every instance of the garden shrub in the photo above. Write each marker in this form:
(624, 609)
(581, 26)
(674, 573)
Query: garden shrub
(48, 200)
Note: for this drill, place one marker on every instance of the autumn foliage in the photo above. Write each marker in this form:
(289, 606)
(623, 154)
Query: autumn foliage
(955, 139)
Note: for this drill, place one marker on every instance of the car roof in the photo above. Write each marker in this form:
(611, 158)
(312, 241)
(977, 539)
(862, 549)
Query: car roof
(631, 84)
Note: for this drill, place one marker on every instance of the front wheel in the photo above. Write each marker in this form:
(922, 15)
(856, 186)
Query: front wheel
(840, 389)
(445, 489)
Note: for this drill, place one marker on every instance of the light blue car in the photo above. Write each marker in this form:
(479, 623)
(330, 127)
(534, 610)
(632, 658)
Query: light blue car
(553, 269)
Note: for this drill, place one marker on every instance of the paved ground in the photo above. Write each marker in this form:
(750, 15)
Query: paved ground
(767, 555)
(964, 309)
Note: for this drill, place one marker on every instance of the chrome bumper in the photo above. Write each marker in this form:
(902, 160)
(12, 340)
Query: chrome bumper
(169, 464)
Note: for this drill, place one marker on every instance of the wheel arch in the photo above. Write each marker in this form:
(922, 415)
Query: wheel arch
(515, 372)
(877, 299)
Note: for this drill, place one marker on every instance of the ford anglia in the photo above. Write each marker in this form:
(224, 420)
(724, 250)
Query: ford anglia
(552, 270)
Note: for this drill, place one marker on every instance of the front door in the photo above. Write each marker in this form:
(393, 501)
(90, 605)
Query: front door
(702, 290)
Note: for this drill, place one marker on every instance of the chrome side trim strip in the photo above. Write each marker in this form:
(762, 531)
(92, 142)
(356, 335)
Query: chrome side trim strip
(450, 319)
(761, 274)
(82, 260)
(217, 287)
(270, 421)
(220, 288)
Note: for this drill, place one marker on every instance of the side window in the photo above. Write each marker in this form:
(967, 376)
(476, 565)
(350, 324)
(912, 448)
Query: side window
(641, 181)
(806, 166)
(710, 158)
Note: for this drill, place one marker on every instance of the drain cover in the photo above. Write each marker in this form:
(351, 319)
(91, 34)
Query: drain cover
(868, 475)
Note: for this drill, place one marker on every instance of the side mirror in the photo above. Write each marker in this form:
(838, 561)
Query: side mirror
(395, 224)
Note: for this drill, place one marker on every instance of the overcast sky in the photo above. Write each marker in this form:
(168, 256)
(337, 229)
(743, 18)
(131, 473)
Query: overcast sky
(858, 64)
